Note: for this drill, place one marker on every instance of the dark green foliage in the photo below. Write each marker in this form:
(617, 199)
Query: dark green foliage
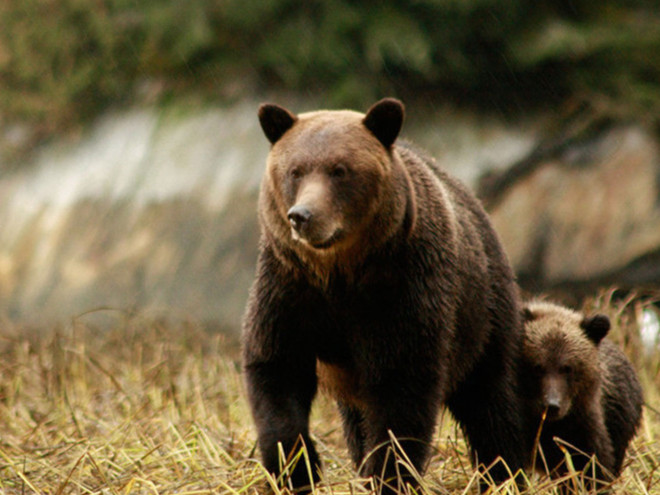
(63, 60)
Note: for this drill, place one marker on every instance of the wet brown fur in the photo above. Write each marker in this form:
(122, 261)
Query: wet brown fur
(411, 306)
(339, 382)
(329, 138)
(599, 396)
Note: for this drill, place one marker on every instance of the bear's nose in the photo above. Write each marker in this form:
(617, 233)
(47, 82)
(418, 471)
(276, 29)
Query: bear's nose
(298, 216)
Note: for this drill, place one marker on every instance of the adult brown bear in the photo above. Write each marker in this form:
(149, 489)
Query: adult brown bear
(380, 277)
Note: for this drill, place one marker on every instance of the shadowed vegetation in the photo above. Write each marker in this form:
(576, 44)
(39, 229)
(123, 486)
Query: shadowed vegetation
(62, 61)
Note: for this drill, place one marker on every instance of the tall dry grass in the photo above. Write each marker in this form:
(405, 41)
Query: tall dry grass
(159, 407)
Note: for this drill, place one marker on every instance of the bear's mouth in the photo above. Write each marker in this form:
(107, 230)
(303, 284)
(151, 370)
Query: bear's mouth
(551, 413)
(327, 243)
(333, 239)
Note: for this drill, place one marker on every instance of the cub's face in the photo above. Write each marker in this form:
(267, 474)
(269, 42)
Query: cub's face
(328, 171)
(560, 366)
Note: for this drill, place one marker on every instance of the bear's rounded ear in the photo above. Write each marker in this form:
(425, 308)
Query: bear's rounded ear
(275, 121)
(384, 120)
(595, 327)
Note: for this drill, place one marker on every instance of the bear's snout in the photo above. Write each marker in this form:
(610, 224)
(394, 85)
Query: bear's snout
(314, 224)
(554, 397)
(299, 216)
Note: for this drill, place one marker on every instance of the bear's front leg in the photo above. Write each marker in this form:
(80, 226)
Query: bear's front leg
(586, 436)
(280, 369)
(281, 395)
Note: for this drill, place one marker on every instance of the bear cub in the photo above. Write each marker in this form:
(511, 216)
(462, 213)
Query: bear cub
(584, 386)
(380, 280)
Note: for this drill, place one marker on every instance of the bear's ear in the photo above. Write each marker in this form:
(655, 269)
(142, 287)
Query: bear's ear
(527, 315)
(595, 327)
(384, 120)
(275, 121)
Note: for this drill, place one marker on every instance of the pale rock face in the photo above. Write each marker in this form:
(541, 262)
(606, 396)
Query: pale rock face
(584, 217)
(149, 209)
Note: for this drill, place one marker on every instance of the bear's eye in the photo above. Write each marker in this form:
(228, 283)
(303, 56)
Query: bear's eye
(566, 370)
(538, 370)
(295, 173)
(339, 171)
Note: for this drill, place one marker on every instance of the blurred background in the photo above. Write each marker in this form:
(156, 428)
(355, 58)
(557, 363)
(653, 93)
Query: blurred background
(131, 155)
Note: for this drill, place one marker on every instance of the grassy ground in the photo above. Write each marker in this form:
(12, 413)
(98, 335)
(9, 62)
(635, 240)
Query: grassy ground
(153, 407)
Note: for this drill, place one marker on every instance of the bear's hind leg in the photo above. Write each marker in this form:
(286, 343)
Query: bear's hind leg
(489, 412)
(352, 420)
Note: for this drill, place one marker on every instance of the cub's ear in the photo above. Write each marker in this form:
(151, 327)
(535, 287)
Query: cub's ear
(275, 121)
(596, 327)
(384, 120)
(527, 315)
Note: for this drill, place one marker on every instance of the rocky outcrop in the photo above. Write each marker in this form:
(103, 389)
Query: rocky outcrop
(582, 213)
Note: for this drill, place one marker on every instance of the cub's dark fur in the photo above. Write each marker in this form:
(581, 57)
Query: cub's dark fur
(586, 385)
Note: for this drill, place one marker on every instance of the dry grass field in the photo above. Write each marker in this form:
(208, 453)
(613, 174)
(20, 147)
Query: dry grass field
(156, 408)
